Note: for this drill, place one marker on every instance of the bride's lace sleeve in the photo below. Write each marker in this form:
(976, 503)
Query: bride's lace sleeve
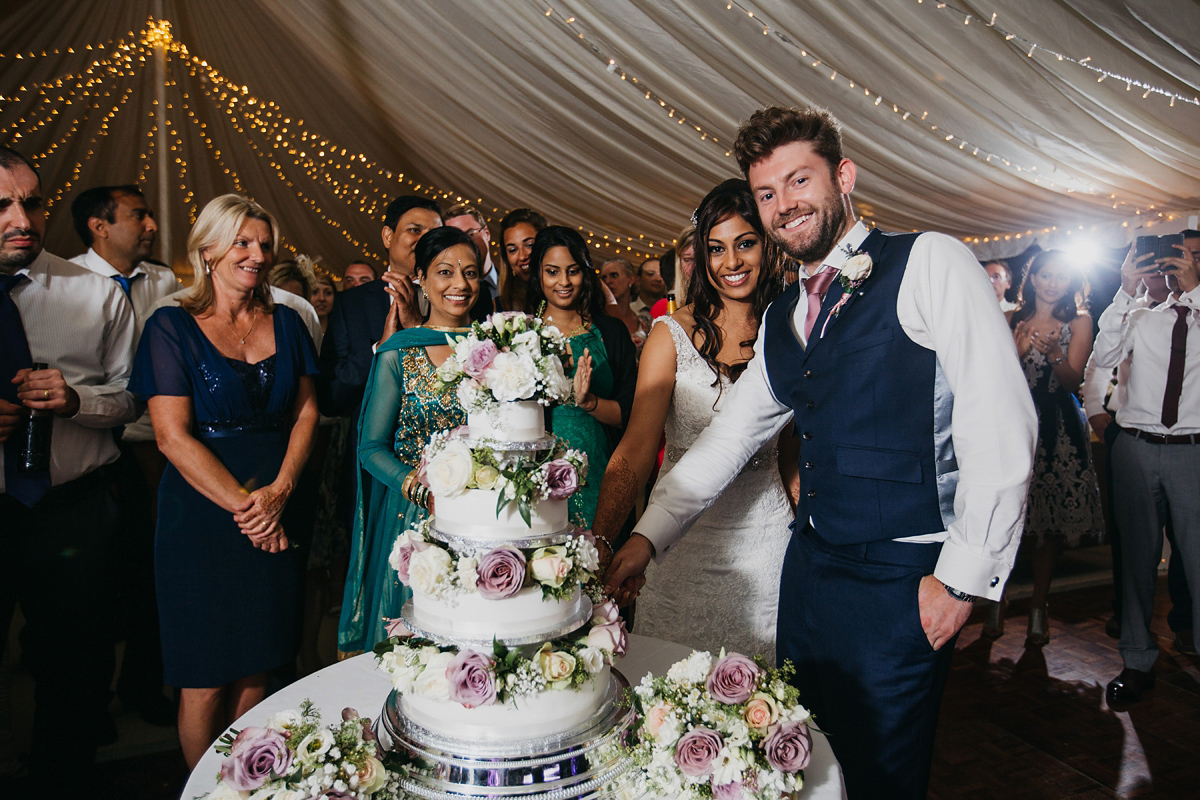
(376, 444)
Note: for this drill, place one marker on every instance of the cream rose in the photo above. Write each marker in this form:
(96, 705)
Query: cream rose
(371, 776)
(856, 268)
(550, 566)
(428, 569)
(433, 682)
(486, 477)
(655, 718)
(556, 666)
(450, 470)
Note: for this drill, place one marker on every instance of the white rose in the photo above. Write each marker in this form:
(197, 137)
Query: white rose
(558, 386)
(592, 659)
(588, 556)
(693, 669)
(314, 746)
(283, 720)
(528, 343)
(450, 470)
(403, 677)
(225, 792)
(856, 267)
(372, 776)
(463, 348)
(449, 370)
(428, 569)
(486, 477)
(512, 376)
(468, 575)
(432, 681)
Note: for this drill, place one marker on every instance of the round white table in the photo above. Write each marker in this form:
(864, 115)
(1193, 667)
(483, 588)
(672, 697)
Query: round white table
(357, 683)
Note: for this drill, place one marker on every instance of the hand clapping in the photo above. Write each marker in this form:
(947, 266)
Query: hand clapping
(582, 382)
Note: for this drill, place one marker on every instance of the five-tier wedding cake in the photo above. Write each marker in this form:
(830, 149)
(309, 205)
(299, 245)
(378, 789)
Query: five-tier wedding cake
(502, 678)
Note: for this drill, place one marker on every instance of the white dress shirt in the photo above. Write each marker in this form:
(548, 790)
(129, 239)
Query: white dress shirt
(1129, 329)
(81, 324)
(308, 314)
(1097, 399)
(946, 304)
(155, 283)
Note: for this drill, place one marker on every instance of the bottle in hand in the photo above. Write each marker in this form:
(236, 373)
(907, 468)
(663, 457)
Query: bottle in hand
(33, 436)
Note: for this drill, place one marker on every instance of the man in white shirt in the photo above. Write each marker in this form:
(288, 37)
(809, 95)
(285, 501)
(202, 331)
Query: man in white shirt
(118, 228)
(468, 219)
(1156, 456)
(917, 435)
(55, 527)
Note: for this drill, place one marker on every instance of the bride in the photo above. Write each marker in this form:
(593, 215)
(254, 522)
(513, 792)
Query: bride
(720, 587)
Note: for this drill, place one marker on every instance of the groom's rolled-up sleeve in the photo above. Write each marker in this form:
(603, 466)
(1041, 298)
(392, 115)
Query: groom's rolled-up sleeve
(749, 417)
(946, 304)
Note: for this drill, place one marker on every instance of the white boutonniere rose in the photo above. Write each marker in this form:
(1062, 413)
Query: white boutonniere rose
(855, 271)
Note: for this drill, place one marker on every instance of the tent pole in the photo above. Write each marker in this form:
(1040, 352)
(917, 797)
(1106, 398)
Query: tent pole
(164, 202)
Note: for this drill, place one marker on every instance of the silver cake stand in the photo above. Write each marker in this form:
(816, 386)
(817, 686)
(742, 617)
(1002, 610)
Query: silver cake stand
(583, 762)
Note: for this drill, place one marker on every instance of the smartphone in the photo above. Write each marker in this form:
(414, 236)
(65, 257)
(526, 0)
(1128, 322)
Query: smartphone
(1146, 244)
(1166, 246)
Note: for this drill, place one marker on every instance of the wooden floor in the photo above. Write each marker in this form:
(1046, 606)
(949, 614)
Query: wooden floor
(1021, 724)
(1016, 724)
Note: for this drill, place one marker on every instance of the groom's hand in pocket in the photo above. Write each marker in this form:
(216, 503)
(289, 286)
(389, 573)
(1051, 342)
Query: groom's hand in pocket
(627, 573)
(942, 616)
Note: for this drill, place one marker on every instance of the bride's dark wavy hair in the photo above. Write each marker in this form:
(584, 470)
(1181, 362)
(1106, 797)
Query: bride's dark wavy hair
(732, 197)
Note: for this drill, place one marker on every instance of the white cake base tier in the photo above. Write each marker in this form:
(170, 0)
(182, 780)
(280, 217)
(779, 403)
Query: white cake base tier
(472, 515)
(536, 717)
(482, 641)
(525, 616)
(523, 421)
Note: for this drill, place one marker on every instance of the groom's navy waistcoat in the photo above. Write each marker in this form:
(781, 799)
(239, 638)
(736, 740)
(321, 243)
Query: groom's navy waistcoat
(872, 410)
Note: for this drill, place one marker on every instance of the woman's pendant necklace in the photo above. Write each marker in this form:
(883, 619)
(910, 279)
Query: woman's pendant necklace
(253, 320)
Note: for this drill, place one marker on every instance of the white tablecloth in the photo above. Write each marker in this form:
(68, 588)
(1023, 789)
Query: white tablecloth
(357, 683)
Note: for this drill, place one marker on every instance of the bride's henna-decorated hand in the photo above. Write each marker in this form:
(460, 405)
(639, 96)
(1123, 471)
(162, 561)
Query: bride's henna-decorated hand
(618, 490)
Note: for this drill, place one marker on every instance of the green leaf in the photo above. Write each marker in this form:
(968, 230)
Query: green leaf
(523, 507)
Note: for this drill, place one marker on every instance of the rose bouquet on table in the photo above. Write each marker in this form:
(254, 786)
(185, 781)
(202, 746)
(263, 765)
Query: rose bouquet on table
(431, 567)
(450, 466)
(510, 356)
(726, 728)
(296, 758)
(474, 679)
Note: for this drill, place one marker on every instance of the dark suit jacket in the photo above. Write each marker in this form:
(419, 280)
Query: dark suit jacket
(355, 323)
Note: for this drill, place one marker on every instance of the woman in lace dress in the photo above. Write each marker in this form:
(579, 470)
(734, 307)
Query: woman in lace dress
(1053, 341)
(720, 587)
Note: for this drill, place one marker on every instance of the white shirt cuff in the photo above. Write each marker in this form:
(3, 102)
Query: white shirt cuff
(661, 529)
(969, 572)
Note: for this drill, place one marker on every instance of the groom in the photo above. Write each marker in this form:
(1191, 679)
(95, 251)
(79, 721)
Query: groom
(917, 433)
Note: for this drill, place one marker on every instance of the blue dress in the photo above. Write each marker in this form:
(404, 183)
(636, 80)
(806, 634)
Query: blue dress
(227, 610)
(402, 408)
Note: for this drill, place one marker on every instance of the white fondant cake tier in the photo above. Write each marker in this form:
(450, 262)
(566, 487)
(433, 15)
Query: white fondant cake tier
(544, 714)
(525, 615)
(523, 421)
(472, 515)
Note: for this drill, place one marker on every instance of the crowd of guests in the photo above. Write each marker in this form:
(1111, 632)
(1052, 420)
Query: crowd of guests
(232, 458)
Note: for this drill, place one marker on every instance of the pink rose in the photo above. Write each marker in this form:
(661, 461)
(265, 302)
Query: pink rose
(761, 712)
(480, 358)
(788, 746)
(655, 718)
(501, 573)
(733, 679)
(605, 612)
(727, 791)
(405, 556)
(396, 627)
(472, 683)
(562, 479)
(256, 755)
(697, 750)
(610, 636)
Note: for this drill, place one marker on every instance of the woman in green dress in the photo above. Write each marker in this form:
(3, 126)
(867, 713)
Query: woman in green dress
(604, 363)
(402, 409)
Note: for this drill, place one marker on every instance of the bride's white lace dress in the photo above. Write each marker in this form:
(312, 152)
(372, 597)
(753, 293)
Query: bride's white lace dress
(719, 587)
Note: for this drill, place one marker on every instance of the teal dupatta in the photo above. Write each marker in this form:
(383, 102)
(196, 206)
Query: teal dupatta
(373, 593)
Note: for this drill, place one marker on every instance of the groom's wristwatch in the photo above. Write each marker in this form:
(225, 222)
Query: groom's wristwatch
(957, 595)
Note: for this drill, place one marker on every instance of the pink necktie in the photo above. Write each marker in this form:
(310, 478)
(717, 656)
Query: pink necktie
(815, 287)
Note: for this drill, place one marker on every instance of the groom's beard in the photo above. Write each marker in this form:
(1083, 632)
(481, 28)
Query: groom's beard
(829, 220)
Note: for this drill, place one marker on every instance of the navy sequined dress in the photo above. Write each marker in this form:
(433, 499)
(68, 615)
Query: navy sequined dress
(227, 610)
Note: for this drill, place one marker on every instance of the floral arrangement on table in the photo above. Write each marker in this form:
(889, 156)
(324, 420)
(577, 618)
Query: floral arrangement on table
(450, 466)
(508, 357)
(431, 567)
(727, 728)
(474, 679)
(295, 758)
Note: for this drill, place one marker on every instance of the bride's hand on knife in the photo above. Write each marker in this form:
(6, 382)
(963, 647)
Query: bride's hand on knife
(627, 573)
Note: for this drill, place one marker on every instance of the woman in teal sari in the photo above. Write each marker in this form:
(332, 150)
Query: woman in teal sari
(402, 409)
(604, 365)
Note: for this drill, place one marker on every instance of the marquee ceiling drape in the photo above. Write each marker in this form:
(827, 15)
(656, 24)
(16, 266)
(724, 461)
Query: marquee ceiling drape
(612, 115)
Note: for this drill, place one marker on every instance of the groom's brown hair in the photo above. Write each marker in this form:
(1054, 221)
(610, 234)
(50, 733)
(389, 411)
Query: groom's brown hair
(769, 128)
